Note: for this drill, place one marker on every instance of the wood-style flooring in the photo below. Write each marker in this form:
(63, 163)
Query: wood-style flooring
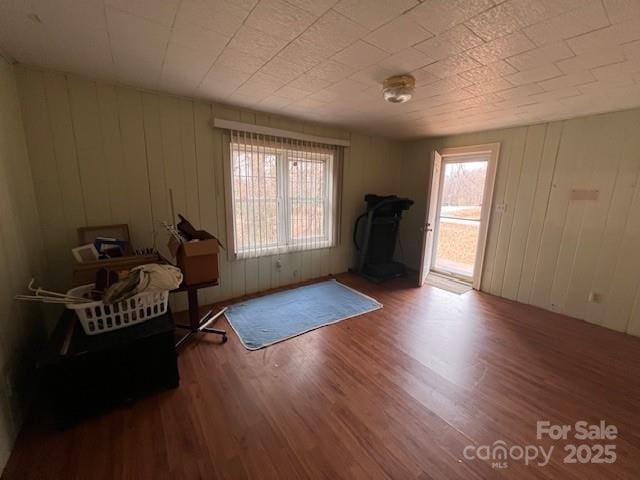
(394, 394)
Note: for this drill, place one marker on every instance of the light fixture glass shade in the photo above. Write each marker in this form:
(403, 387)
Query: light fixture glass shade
(398, 89)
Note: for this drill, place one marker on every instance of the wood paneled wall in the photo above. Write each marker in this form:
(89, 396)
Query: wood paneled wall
(104, 154)
(22, 328)
(548, 249)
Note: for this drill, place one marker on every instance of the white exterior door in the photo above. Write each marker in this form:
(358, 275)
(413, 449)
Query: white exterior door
(430, 218)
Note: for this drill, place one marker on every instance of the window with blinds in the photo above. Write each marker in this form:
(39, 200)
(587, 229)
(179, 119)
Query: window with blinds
(283, 195)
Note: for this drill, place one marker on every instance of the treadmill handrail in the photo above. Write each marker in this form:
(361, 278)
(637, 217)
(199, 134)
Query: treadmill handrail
(387, 202)
(355, 229)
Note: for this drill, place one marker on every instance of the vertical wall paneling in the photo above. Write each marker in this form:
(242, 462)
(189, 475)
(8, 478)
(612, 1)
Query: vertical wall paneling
(136, 175)
(113, 153)
(206, 178)
(23, 327)
(88, 141)
(539, 210)
(64, 145)
(577, 257)
(48, 190)
(518, 146)
(617, 219)
(523, 206)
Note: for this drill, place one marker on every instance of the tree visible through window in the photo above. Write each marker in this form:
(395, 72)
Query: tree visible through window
(283, 196)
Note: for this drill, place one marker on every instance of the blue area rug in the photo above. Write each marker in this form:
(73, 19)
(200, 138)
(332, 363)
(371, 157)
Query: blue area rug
(263, 321)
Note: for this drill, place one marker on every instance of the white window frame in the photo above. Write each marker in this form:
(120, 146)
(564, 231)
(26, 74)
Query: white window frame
(285, 242)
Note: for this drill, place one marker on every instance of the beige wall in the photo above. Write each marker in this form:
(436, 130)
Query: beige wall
(105, 154)
(21, 326)
(546, 249)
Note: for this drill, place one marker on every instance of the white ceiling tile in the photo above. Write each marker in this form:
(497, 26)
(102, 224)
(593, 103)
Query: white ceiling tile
(184, 68)
(221, 82)
(256, 42)
(279, 19)
(424, 77)
(508, 17)
(141, 65)
(222, 16)
(407, 60)
(631, 52)
(360, 54)
(332, 70)
(570, 24)
(231, 59)
(198, 38)
(126, 31)
(303, 53)
(592, 59)
(260, 84)
(374, 75)
(615, 74)
(436, 16)
(291, 93)
(501, 48)
(331, 33)
(373, 13)
(275, 102)
(551, 52)
(611, 36)
(275, 55)
(281, 68)
(317, 7)
(451, 42)
(569, 80)
(537, 74)
(488, 72)
(160, 11)
(520, 92)
(398, 34)
(452, 65)
(309, 83)
(443, 86)
(490, 86)
(622, 10)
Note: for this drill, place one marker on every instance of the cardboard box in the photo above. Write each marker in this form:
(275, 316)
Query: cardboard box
(198, 259)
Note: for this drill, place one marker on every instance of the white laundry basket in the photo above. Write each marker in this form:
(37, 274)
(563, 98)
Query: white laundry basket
(98, 317)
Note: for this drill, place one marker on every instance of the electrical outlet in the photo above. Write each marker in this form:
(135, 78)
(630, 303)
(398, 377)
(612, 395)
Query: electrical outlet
(295, 273)
(279, 264)
(595, 297)
(501, 208)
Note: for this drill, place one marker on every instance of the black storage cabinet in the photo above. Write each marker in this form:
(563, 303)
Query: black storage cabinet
(86, 375)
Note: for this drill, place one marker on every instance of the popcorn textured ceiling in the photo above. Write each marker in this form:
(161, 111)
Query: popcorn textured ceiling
(479, 64)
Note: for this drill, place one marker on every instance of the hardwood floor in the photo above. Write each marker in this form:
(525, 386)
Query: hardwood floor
(397, 393)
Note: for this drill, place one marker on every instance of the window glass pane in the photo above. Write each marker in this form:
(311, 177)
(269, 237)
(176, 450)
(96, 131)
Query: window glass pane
(462, 189)
(255, 197)
(307, 195)
(280, 197)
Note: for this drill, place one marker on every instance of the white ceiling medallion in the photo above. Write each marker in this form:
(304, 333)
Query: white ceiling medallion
(399, 88)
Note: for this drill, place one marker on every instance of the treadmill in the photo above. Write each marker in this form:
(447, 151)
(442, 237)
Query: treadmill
(375, 234)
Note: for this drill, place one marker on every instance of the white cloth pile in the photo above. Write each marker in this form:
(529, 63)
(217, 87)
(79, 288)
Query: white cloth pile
(151, 277)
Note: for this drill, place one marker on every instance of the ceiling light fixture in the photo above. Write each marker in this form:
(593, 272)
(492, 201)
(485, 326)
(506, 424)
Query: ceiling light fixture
(399, 88)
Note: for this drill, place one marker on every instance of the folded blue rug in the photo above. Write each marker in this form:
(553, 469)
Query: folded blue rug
(263, 321)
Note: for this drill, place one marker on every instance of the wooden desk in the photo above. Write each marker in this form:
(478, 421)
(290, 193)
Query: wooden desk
(198, 324)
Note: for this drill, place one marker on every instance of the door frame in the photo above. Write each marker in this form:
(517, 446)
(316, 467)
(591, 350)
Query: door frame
(490, 150)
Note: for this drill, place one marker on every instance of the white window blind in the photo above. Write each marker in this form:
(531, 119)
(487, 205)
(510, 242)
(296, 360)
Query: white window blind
(283, 194)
